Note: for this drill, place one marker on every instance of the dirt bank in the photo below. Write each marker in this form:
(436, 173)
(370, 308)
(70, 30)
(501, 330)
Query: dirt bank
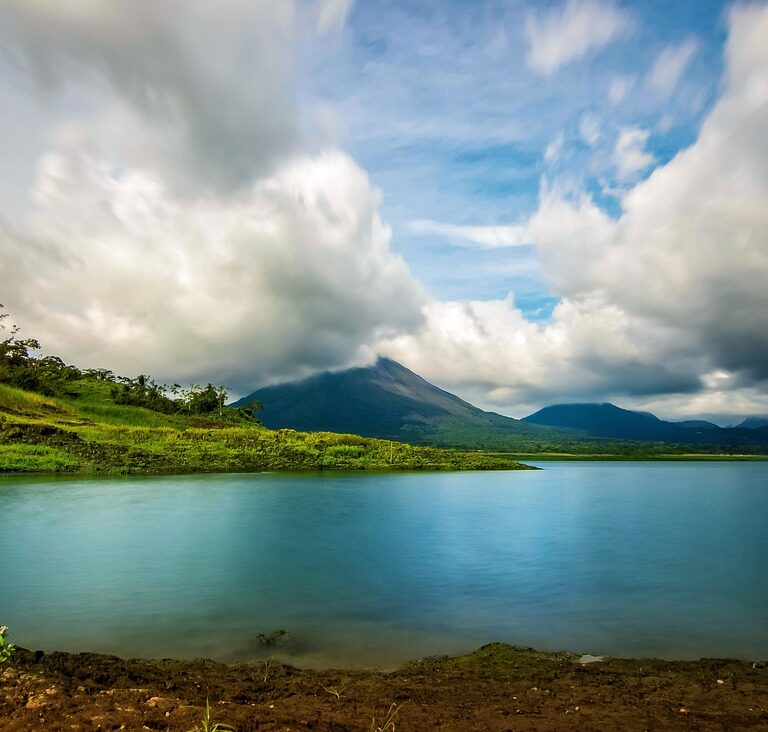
(498, 687)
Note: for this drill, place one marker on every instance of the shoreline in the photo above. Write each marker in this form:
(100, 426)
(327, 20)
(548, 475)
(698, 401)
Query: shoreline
(498, 687)
(516, 459)
(601, 457)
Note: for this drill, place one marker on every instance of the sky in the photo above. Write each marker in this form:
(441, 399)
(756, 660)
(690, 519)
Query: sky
(524, 202)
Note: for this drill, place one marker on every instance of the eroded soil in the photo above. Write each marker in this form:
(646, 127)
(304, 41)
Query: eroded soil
(498, 687)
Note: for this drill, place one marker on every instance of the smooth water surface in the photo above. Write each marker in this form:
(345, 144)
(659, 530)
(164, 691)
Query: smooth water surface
(665, 559)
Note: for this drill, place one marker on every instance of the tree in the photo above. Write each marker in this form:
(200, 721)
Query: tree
(204, 400)
(143, 392)
(250, 408)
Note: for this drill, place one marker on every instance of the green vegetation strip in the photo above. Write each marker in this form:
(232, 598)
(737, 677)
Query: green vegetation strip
(86, 432)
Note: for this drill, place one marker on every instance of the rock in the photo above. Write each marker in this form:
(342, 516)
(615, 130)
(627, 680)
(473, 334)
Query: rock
(36, 701)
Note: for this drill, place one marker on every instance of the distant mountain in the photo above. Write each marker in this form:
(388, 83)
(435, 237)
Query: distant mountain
(697, 424)
(754, 423)
(607, 421)
(387, 400)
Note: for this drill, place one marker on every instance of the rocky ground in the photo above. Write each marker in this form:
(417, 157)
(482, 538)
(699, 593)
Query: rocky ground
(498, 687)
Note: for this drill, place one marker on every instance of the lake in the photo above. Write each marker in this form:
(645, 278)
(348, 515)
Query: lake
(667, 559)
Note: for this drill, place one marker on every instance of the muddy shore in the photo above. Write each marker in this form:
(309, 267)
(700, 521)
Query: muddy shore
(498, 687)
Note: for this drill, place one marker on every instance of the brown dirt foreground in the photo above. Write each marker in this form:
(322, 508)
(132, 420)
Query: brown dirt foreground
(498, 687)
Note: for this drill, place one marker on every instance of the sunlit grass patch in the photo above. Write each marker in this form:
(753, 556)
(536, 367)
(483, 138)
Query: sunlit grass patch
(36, 458)
(13, 399)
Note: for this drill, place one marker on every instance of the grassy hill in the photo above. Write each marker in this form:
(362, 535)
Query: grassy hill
(86, 431)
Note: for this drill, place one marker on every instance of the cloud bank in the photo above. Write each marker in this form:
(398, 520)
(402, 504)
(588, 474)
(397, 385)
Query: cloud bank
(668, 299)
(293, 275)
(184, 223)
(180, 225)
(208, 82)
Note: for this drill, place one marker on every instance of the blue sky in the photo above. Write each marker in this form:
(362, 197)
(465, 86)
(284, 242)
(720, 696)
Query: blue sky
(437, 102)
(524, 202)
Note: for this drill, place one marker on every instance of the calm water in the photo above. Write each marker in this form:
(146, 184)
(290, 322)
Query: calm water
(667, 559)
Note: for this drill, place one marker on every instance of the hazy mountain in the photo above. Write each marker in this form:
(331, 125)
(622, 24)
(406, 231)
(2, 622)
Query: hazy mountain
(697, 424)
(608, 421)
(385, 400)
(754, 423)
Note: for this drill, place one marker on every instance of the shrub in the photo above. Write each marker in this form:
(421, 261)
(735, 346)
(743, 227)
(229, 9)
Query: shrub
(6, 649)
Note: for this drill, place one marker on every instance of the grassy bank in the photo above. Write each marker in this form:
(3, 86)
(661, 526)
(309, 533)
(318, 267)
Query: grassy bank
(86, 432)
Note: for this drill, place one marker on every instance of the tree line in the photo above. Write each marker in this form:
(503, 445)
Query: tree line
(23, 367)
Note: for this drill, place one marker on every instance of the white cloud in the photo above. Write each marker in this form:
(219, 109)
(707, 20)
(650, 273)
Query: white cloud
(670, 65)
(619, 88)
(332, 14)
(629, 155)
(492, 355)
(296, 274)
(569, 32)
(723, 406)
(208, 82)
(482, 236)
(552, 151)
(179, 224)
(180, 230)
(589, 129)
(665, 307)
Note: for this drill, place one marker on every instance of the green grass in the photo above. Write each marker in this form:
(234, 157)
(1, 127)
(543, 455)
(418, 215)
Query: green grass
(36, 458)
(85, 432)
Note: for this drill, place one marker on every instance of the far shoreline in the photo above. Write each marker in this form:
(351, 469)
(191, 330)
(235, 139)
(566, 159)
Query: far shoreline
(683, 457)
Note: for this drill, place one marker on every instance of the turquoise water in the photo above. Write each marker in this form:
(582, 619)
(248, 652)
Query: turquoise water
(665, 559)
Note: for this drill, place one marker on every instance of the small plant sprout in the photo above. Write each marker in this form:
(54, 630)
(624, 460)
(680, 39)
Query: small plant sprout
(334, 690)
(268, 665)
(388, 723)
(6, 649)
(208, 725)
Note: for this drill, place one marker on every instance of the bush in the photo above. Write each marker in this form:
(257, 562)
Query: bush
(6, 649)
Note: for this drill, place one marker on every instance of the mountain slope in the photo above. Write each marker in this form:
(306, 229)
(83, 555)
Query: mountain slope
(607, 421)
(754, 423)
(386, 400)
(389, 401)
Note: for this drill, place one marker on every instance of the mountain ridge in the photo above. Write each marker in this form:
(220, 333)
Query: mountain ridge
(385, 400)
(753, 423)
(607, 421)
(388, 400)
